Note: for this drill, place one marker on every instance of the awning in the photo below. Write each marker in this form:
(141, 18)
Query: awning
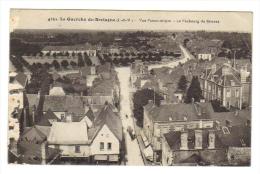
(100, 157)
(113, 158)
(148, 152)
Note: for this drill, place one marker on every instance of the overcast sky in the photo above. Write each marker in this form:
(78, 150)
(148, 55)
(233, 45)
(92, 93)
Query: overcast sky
(139, 20)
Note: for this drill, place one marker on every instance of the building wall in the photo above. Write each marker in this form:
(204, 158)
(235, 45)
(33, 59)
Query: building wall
(214, 156)
(69, 150)
(166, 153)
(49, 59)
(105, 136)
(57, 91)
(204, 56)
(58, 114)
(15, 100)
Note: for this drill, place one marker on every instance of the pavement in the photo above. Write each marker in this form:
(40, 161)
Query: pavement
(134, 157)
(186, 56)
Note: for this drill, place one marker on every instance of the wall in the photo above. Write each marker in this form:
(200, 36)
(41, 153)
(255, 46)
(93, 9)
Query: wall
(69, 150)
(106, 136)
(215, 156)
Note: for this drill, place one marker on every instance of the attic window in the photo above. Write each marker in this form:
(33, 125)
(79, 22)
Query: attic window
(225, 130)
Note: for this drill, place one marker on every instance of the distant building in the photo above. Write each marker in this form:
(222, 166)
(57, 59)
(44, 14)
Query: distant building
(174, 117)
(230, 86)
(80, 48)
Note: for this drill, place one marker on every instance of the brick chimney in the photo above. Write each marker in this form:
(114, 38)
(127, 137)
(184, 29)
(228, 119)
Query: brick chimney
(184, 140)
(211, 139)
(43, 152)
(198, 139)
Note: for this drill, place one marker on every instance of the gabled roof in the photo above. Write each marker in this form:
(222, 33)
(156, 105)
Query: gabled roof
(33, 135)
(109, 118)
(90, 114)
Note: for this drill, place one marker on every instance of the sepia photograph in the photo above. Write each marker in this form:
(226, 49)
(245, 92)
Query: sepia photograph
(130, 88)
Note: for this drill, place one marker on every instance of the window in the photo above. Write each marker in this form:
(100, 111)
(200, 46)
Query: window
(109, 146)
(11, 127)
(77, 149)
(101, 147)
(228, 93)
(56, 146)
(237, 93)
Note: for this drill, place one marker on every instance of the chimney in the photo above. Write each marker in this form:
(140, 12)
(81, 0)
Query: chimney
(33, 114)
(211, 139)
(43, 152)
(198, 139)
(93, 70)
(184, 140)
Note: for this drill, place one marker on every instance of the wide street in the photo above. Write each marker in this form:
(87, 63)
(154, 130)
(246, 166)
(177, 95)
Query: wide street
(132, 147)
(133, 151)
(186, 56)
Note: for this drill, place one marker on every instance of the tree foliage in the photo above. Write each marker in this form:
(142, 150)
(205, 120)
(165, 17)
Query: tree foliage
(182, 84)
(194, 91)
(141, 99)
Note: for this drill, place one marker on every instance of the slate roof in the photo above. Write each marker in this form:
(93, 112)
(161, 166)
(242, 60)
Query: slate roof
(238, 136)
(235, 118)
(63, 103)
(68, 133)
(109, 118)
(173, 139)
(177, 112)
(221, 78)
(33, 135)
(32, 153)
(21, 78)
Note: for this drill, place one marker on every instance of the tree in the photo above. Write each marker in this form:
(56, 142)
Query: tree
(56, 64)
(182, 83)
(64, 64)
(141, 99)
(81, 62)
(194, 91)
(73, 64)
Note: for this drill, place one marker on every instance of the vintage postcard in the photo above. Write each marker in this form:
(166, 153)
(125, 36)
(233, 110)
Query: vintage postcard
(134, 88)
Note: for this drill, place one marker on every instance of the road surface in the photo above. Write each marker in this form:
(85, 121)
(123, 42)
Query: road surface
(134, 157)
(186, 56)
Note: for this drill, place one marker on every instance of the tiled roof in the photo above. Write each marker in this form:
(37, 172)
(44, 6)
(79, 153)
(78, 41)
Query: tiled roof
(68, 133)
(109, 118)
